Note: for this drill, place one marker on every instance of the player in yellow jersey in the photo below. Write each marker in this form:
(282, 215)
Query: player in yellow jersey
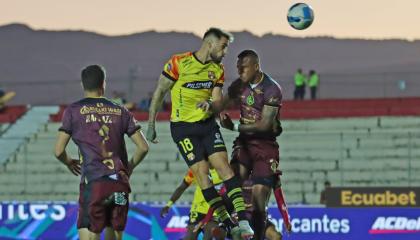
(192, 78)
(199, 206)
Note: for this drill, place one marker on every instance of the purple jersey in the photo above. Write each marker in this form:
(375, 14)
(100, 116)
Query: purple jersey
(97, 126)
(252, 101)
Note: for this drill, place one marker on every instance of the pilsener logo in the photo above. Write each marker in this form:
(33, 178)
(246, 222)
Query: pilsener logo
(199, 85)
(388, 225)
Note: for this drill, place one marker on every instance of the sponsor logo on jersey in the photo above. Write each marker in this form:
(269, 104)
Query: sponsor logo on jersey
(395, 225)
(198, 85)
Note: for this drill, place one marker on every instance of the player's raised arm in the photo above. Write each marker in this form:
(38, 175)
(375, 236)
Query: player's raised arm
(218, 102)
(164, 85)
(232, 95)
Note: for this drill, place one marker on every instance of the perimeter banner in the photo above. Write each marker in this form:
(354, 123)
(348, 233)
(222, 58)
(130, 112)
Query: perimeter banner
(373, 197)
(57, 221)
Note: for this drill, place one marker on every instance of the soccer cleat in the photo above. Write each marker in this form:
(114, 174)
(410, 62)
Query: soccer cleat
(246, 230)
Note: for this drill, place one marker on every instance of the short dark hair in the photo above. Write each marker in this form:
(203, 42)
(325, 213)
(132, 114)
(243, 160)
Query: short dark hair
(93, 77)
(249, 53)
(218, 33)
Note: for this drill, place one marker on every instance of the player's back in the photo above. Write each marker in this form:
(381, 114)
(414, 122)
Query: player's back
(97, 126)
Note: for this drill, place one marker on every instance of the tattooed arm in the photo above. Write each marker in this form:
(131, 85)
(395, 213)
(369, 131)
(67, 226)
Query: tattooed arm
(269, 118)
(267, 123)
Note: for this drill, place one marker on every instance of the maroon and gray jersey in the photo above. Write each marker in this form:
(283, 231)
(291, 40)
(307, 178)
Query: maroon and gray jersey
(254, 98)
(97, 126)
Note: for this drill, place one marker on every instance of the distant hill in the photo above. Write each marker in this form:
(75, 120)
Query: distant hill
(44, 66)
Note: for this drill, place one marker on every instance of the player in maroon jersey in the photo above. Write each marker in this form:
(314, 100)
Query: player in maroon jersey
(255, 152)
(97, 126)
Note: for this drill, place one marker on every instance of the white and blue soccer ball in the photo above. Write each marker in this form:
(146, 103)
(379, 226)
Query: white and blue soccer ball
(300, 16)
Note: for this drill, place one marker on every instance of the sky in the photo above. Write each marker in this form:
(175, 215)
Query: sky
(367, 19)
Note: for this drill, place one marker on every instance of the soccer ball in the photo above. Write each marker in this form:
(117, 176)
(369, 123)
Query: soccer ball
(300, 16)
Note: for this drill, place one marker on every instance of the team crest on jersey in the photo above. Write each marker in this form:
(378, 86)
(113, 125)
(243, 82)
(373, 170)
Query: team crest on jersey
(191, 156)
(250, 100)
(273, 165)
(212, 75)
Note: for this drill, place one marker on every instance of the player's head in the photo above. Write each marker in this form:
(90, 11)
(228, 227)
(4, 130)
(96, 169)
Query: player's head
(248, 65)
(93, 78)
(217, 41)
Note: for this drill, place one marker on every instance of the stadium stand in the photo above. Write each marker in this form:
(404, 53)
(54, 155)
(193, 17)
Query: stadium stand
(22, 130)
(11, 113)
(369, 151)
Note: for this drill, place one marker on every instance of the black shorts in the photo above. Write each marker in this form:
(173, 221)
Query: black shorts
(196, 141)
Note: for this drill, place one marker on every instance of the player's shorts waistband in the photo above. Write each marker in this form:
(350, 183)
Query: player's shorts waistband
(207, 120)
(111, 177)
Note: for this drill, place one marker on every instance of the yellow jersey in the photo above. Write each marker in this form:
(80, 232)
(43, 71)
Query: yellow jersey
(199, 203)
(194, 82)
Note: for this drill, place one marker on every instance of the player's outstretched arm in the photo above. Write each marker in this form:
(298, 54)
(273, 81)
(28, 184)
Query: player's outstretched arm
(142, 148)
(61, 154)
(216, 106)
(219, 102)
(174, 197)
(164, 85)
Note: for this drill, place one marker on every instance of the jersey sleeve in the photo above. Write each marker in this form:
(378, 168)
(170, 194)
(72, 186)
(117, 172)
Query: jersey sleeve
(66, 122)
(130, 123)
(273, 96)
(189, 177)
(171, 68)
(221, 80)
